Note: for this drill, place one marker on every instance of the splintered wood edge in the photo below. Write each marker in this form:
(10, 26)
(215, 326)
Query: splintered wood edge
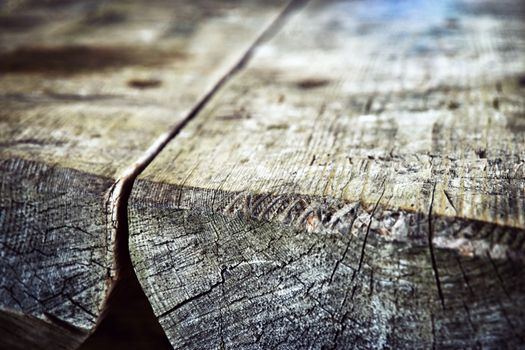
(315, 215)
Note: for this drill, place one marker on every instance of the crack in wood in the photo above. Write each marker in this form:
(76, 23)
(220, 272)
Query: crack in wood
(431, 248)
(119, 193)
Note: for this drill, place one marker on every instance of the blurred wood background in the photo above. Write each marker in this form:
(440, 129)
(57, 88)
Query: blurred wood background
(303, 174)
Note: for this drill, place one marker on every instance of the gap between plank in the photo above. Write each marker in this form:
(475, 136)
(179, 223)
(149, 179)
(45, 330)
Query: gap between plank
(118, 195)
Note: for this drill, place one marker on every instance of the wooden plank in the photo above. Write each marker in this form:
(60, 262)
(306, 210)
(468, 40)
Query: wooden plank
(360, 183)
(86, 87)
(36, 333)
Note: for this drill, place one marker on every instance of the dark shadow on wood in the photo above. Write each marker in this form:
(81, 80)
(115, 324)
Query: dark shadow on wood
(19, 331)
(128, 321)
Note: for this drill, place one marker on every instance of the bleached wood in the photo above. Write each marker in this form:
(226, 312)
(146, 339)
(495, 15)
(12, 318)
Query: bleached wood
(85, 88)
(360, 183)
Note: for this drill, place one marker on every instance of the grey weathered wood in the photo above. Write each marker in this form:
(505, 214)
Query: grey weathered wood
(359, 184)
(85, 88)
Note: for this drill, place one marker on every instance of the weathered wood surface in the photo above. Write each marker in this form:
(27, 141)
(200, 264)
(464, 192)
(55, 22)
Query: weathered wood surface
(360, 184)
(85, 88)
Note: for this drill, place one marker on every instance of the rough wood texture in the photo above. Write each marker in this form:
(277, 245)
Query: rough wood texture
(360, 184)
(86, 87)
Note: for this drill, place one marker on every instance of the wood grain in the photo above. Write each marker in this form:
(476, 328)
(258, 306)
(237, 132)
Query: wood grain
(86, 87)
(79, 94)
(360, 183)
